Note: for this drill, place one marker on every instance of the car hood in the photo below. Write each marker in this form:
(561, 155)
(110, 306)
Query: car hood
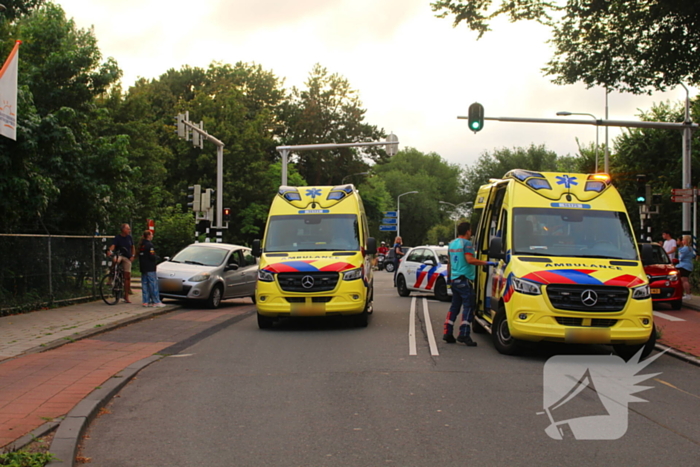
(169, 269)
(659, 269)
(310, 262)
(583, 272)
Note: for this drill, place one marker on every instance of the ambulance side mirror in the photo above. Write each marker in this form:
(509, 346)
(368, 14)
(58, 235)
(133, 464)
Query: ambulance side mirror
(495, 248)
(371, 246)
(256, 250)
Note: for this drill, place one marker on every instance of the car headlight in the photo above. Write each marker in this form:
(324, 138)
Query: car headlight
(673, 276)
(641, 293)
(352, 275)
(527, 287)
(201, 277)
(265, 276)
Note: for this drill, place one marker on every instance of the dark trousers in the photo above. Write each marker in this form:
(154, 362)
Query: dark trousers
(462, 295)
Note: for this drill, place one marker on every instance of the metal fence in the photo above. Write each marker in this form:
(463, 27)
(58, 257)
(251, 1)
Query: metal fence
(45, 270)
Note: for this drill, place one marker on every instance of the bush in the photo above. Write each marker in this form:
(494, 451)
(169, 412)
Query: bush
(25, 459)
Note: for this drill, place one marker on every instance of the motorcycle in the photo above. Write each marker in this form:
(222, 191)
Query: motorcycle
(380, 261)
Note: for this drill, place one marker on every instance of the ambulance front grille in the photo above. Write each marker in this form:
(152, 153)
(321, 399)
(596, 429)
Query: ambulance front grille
(308, 282)
(571, 297)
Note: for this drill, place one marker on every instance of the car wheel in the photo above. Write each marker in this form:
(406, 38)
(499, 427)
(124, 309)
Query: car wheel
(441, 290)
(676, 304)
(402, 287)
(389, 267)
(214, 299)
(629, 351)
(265, 322)
(502, 340)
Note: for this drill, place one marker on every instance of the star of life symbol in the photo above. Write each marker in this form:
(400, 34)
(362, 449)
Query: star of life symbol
(566, 181)
(598, 388)
(313, 192)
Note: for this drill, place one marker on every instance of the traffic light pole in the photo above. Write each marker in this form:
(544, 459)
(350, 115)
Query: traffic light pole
(218, 224)
(687, 127)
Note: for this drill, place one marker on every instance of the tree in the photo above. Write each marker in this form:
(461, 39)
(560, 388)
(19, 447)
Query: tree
(617, 44)
(432, 177)
(328, 111)
(496, 165)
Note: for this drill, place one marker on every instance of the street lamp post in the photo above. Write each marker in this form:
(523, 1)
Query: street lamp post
(566, 114)
(398, 212)
(342, 182)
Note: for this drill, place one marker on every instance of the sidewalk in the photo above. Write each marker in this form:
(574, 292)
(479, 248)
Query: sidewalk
(37, 387)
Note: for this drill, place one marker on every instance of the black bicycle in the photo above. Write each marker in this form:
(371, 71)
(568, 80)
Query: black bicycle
(112, 284)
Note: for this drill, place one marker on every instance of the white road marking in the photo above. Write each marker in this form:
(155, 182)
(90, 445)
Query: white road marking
(668, 317)
(429, 329)
(412, 329)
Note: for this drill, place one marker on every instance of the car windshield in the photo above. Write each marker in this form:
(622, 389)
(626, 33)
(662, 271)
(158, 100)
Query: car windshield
(312, 232)
(572, 232)
(442, 255)
(200, 255)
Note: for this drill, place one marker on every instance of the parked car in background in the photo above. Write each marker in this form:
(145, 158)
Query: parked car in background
(209, 271)
(664, 279)
(424, 269)
(389, 260)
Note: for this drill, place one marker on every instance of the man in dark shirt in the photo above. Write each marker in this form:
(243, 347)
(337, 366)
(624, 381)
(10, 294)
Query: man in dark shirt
(125, 245)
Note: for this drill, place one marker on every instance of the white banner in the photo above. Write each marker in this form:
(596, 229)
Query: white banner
(8, 95)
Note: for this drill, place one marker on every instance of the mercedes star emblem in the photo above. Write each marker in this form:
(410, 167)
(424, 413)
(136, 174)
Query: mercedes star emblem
(589, 297)
(307, 282)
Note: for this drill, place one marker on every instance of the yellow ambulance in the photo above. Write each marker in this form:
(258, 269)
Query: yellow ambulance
(569, 269)
(316, 256)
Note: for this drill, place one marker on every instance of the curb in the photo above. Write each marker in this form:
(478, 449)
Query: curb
(66, 440)
(678, 354)
(94, 331)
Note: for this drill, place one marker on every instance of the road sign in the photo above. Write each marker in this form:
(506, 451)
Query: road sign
(389, 213)
(389, 220)
(683, 199)
(387, 228)
(683, 191)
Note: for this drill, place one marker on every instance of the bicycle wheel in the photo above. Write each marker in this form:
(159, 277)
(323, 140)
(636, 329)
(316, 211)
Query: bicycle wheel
(109, 289)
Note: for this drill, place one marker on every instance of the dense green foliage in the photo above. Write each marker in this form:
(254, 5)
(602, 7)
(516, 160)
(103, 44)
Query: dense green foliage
(617, 44)
(25, 459)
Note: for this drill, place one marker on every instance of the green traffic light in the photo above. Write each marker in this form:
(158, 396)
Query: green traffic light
(641, 199)
(475, 125)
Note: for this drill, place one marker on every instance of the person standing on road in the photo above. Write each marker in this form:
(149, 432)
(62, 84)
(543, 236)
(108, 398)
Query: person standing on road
(124, 244)
(461, 271)
(147, 265)
(685, 265)
(398, 254)
(669, 244)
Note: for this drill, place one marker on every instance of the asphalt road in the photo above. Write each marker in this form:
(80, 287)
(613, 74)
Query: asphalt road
(324, 393)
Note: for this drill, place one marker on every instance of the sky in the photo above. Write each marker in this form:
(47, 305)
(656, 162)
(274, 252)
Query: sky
(414, 72)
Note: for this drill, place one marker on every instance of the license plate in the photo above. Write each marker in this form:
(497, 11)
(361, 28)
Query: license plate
(170, 285)
(655, 291)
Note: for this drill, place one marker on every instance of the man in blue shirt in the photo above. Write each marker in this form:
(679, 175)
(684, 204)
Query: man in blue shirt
(461, 271)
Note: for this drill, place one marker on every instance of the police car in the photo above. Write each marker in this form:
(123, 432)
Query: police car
(424, 269)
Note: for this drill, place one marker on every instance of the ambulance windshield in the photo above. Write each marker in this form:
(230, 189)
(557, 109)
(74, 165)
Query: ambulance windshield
(572, 232)
(312, 232)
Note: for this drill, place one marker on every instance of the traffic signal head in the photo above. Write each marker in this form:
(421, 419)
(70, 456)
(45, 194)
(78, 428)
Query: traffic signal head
(207, 199)
(227, 215)
(476, 117)
(642, 190)
(195, 197)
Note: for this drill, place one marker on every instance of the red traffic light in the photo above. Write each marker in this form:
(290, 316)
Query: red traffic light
(227, 215)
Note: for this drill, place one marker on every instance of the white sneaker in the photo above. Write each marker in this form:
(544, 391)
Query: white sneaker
(159, 305)
(687, 297)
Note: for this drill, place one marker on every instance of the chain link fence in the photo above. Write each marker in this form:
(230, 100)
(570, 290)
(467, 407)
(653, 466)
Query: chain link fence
(46, 270)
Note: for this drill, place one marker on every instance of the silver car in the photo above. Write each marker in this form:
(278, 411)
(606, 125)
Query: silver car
(209, 271)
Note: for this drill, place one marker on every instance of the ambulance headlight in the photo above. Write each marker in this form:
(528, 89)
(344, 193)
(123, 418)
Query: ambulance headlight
(265, 276)
(526, 287)
(640, 293)
(352, 275)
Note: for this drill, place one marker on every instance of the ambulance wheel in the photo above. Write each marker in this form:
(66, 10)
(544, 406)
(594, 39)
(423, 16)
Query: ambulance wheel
(401, 286)
(441, 290)
(264, 322)
(502, 340)
(629, 351)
